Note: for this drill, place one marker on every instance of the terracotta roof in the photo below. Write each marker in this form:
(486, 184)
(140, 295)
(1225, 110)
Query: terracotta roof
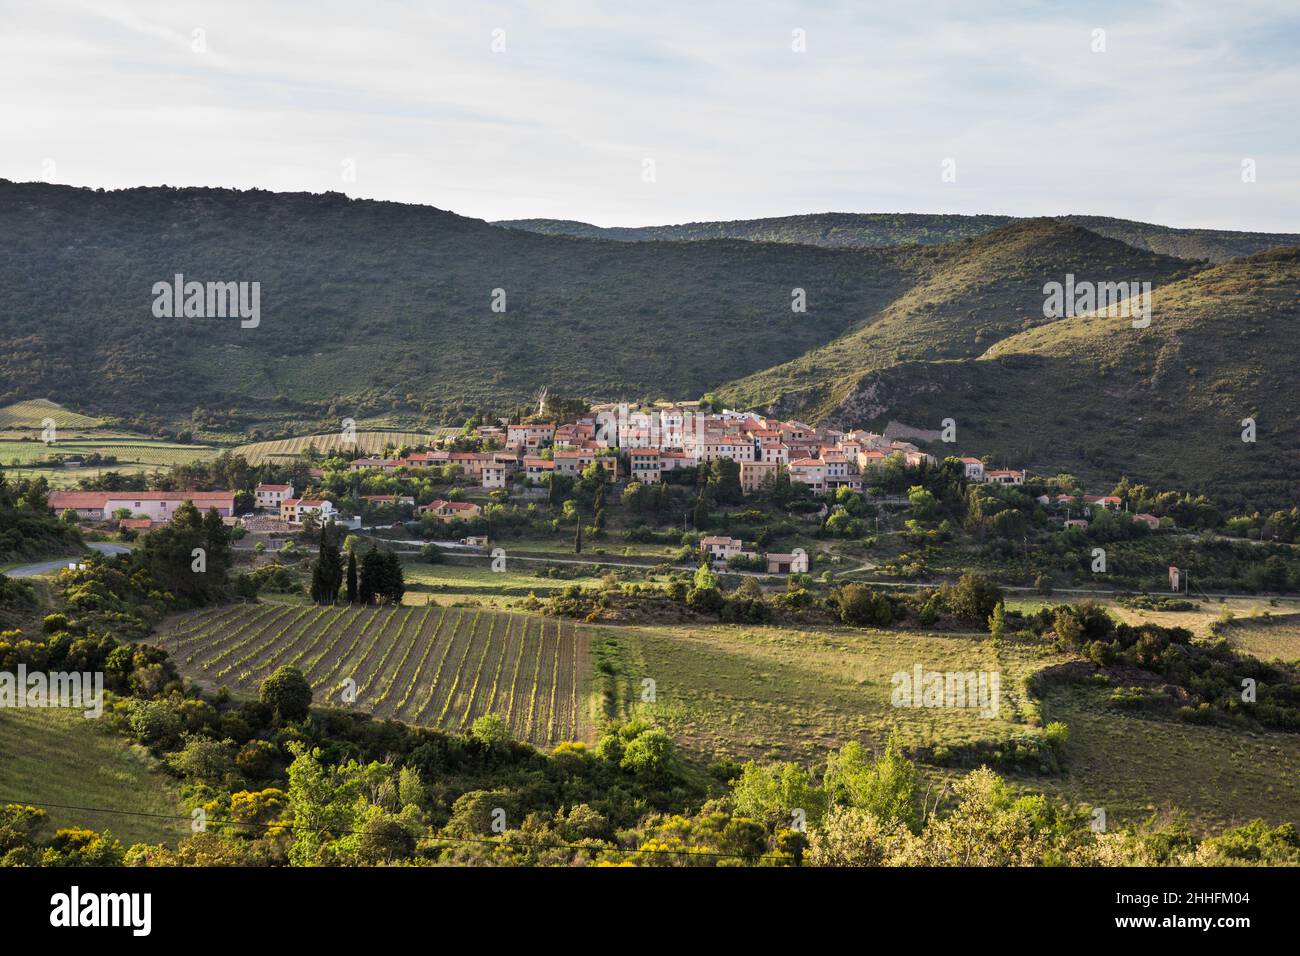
(98, 499)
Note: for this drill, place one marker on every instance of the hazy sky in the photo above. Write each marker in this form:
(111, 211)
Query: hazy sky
(412, 99)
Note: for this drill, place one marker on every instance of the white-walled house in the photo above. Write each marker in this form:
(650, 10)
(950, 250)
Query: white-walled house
(293, 510)
(270, 496)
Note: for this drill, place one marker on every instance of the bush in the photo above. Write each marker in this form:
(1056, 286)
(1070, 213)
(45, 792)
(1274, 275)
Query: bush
(859, 606)
(973, 598)
(287, 693)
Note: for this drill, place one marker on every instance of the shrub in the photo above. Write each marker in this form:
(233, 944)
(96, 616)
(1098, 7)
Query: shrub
(287, 693)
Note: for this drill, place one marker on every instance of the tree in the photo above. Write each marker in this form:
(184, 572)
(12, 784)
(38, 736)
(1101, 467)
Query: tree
(774, 793)
(394, 582)
(327, 569)
(287, 693)
(577, 536)
(189, 555)
(998, 622)
(598, 515)
(700, 518)
(859, 606)
(724, 481)
(353, 596)
(886, 788)
(974, 597)
(371, 581)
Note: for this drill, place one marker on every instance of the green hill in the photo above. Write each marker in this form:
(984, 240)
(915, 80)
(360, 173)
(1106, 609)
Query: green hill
(836, 230)
(972, 294)
(1093, 396)
(865, 230)
(381, 308)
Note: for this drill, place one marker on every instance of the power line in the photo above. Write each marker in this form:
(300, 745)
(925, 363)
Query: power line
(346, 831)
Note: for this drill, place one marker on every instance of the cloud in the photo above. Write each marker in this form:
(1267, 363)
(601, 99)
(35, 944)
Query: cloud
(738, 124)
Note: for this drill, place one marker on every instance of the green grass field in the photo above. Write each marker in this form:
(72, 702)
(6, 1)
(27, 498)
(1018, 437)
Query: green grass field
(779, 693)
(56, 756)
(1268, 638)
(1137, 766)
(795, 694)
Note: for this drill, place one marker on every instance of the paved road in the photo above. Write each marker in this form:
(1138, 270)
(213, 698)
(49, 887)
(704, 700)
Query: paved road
(44, 567)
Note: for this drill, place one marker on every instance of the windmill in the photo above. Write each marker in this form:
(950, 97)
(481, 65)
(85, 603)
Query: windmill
(543, 394)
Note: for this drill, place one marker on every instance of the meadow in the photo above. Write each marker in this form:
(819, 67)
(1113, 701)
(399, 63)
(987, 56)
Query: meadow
(782, 693)
(59, 757)
(1268, 638)
(428, 665)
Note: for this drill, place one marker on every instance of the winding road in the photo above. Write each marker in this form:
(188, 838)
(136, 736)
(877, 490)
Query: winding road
(44, 567)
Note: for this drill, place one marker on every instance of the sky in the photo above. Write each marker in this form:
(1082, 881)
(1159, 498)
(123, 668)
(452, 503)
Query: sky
(664, 112)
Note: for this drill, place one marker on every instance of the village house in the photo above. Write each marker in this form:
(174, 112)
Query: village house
(973, 468)
(375, 464)
(1004, 476)
(754, 473)
(644, 463)
(718, 548)
(294, 510)
(673, 460)
(574, 461)
(427, 459)
(1150, 520)
(796, 563)
(269, 496)
(530, 436)
(449, 511)
(772, 451)
(840, 472)
(810, 472)
(536, 467)
(157, 505)
(1109, 502)
(574, 435)
(872, 460)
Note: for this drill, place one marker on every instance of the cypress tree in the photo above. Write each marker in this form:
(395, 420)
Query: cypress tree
(353, 596)
(598, 517)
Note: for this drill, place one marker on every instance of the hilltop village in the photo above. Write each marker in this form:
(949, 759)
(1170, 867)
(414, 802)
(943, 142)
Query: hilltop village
(635, 453)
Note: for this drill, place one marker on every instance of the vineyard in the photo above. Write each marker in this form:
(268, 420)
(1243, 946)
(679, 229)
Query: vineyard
(370, 443)
(33, 414)
(432, 666)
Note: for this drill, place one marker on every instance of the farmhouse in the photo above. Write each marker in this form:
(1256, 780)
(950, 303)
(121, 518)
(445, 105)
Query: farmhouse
(973, 468)
(1005, 476)
(381, 464)
(293, 510)
(449, 511)
(720, 547)
(796, 563)
(158, 505)
(270, 496)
